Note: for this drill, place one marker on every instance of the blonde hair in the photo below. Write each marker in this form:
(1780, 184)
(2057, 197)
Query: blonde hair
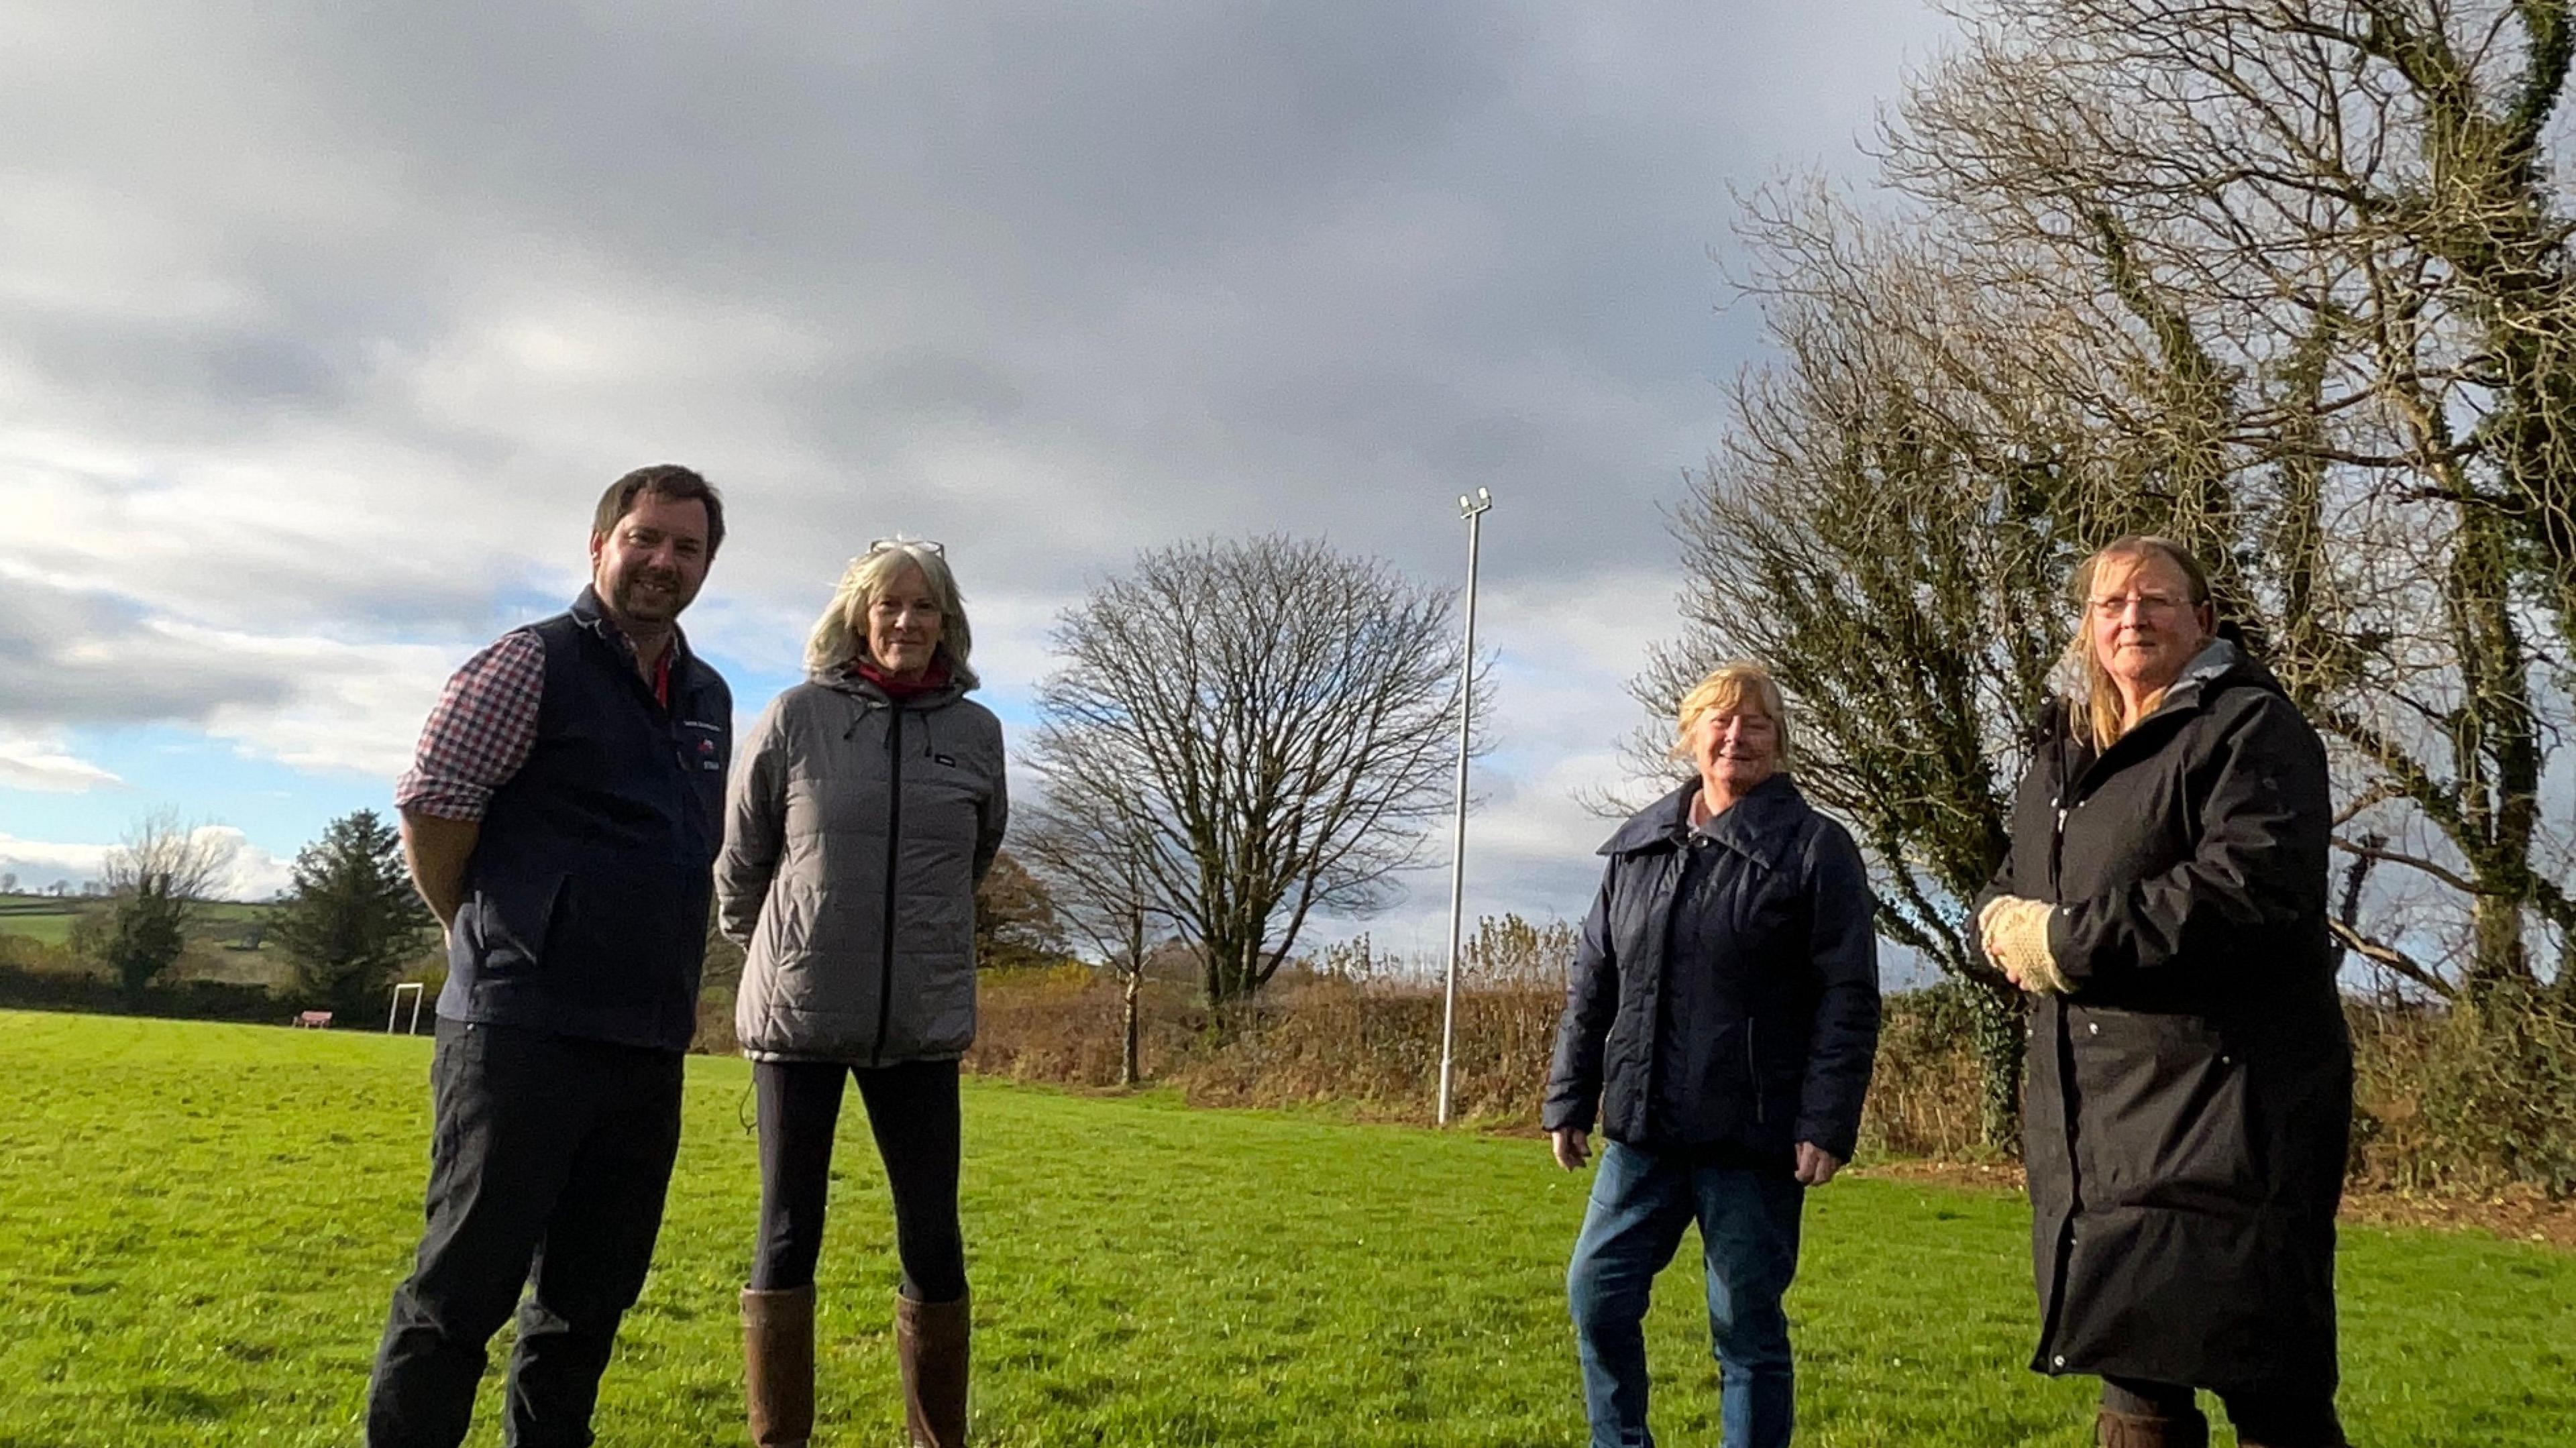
(2100, 710)
(1727, 688)
(841, 634)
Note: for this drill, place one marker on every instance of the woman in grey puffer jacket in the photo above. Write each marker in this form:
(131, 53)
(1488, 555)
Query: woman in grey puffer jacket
(867, 803)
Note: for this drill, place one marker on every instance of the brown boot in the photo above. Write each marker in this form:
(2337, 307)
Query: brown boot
(930, 1342)
(2137, 1430)
(778, 1365)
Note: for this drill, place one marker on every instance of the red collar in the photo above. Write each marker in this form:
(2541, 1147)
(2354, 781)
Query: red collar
(928, 681)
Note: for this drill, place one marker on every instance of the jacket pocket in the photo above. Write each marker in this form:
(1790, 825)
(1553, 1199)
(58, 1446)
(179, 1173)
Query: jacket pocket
(513, 933)
(2165, 1116)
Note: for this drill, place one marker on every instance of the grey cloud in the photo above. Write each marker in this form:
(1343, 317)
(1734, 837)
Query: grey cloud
(358, 306)
(934, 381)
(72, 658)
(1235, 257)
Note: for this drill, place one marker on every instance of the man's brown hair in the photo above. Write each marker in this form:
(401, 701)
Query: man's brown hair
(662, 480)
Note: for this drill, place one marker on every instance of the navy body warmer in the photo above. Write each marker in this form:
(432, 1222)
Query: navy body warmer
(585, 909)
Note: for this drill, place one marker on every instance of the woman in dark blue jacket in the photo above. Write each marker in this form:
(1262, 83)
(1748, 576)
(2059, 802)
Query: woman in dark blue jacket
(1723, 1012)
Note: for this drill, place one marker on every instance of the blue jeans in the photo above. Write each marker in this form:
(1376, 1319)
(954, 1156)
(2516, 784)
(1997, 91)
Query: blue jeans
(1748, 1227)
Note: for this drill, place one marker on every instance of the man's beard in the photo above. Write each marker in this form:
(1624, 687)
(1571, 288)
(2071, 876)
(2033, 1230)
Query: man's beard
(628, 595)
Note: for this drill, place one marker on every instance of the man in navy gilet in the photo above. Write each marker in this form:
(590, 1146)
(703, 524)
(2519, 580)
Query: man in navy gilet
(561, 819)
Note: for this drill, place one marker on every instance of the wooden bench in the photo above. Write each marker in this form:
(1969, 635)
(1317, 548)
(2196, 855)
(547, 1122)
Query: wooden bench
(313, 1020)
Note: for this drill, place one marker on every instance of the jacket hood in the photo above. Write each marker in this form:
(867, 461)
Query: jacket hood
(848, 681)
(1762, 825)
(2221, 664)
(2218, 667)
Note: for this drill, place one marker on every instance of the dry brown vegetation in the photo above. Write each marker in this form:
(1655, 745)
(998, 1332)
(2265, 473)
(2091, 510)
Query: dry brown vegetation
(2451, 1107)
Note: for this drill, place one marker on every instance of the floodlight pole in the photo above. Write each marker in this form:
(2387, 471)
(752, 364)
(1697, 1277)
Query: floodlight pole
(1473, 510)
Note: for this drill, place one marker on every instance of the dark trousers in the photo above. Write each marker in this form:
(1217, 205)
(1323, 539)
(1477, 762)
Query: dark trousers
(913, 1112)
(2279, 1419)
(1748, 1231)
(548, 1161)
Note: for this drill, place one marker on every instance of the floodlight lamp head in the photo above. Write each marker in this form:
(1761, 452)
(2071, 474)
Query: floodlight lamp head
(1463, 504)
(1484, 497)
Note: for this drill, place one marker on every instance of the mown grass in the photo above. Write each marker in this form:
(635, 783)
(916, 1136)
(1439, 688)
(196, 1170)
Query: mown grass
(199, 1225)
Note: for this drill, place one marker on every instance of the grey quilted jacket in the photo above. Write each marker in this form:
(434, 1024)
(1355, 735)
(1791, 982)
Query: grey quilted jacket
(856, 830)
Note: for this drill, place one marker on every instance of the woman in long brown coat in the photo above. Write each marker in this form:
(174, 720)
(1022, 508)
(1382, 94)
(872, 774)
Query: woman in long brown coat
(2190, 1078)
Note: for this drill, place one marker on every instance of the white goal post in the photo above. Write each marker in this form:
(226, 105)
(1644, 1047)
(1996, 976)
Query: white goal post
(414, 1029)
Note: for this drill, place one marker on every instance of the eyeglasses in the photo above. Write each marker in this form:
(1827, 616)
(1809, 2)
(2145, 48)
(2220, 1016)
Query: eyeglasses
(879, 545)
(2152, 605)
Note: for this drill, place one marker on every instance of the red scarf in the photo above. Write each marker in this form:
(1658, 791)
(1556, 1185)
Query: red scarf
(928, 681)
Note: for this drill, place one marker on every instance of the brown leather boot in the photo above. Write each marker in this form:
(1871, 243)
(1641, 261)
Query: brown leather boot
(778, 1365)
(2137, 1430)
(930, 1342)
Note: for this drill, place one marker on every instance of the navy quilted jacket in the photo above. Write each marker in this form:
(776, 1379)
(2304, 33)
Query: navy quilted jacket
(1776, 1041)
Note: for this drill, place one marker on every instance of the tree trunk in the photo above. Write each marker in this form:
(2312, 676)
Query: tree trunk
(1130, 1061)
(2496, 954)
(1232, 967)
(1130, 1064)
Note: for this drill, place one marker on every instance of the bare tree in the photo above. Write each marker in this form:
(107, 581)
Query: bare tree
(2337, 217)
(2283, 278)
(1269, 723)
(156, 879)
(1080, 845)
(1885, 527)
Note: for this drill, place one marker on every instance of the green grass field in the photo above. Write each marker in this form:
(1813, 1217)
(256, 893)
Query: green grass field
(199, 1226)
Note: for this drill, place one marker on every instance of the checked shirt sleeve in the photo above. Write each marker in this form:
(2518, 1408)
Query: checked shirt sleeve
(480, 733)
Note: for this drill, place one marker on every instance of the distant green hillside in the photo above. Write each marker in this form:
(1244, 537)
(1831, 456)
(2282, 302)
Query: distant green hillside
(44, 917)
(224, 939)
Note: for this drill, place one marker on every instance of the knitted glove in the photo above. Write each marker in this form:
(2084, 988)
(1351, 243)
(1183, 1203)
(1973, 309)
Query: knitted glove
(2015, 933)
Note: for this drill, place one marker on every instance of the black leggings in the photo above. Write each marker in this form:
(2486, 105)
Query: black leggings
(912, 1109)
(2286, 1419)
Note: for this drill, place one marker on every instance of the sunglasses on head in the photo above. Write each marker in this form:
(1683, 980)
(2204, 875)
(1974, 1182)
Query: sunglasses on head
(879, 545)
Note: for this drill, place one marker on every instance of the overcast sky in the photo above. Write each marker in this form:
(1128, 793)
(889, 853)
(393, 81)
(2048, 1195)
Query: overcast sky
(322, 327)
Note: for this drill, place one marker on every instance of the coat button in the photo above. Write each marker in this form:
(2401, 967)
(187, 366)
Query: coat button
(2093, 1028)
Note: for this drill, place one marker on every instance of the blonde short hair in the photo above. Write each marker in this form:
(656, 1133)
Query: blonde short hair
(841, 634)
(1729, 687)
